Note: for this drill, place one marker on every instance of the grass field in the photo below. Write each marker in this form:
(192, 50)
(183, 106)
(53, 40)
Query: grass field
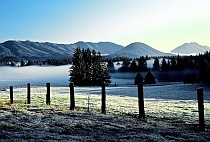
(175, 110)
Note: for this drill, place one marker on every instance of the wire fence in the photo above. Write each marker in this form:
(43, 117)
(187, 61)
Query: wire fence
(90, 99)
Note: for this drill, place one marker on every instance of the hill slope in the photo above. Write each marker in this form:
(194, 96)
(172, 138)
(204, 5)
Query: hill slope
(137, 49)
(45, 50)
(190, 48)
(103, 47)
(35, 50)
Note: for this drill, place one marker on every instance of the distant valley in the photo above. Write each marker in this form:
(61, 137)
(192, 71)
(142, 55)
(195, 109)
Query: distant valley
(45, 50)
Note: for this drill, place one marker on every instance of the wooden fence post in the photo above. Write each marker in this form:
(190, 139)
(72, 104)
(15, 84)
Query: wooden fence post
(72, 99)
(88, 103)
(28, 93)
(201, 109)
(103, 100)
(141, 100)
(11, 94)
(48, 94)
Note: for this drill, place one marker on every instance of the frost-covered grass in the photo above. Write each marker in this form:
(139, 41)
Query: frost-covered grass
(119, 101)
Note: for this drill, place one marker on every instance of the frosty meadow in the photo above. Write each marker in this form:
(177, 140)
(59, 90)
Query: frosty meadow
(175, 96)
(167, 107)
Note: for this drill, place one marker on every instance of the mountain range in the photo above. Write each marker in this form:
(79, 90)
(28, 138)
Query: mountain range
(46, 50)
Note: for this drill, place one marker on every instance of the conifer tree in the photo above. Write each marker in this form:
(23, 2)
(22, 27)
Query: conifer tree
(164, 65)
(149, 78)
(95, 68)
(100, 70)
(138, 79)
(125, 65)
(142, 64)
(88, 64)
(133, 66)
(205, 71)
(111, 66)
(156, 65)
(173, 64)
(77, 71)
(105, 75)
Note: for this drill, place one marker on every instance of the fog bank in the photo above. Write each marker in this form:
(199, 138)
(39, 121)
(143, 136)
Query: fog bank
(37, 75)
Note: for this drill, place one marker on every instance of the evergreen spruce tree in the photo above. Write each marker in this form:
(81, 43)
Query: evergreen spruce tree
(99, 67)
(95, 68)
(77, 71)
(125, 65)
(138, 79)
(168, 66)
(164, 65)
(173, 64)
(133, 66)
(105, 76)
(205, 71)
(88, 64)
(180, 63)
(111, 66)
(156, 65)
(149, 78)
(142, 64)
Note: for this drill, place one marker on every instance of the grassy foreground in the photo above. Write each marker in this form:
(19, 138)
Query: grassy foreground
(178, 111)
(166, 120)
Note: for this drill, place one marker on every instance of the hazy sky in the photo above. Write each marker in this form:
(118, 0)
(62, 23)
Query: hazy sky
(162, 24)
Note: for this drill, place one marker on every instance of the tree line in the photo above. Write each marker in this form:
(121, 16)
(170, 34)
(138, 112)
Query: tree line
(54, 62)
(130, 65)
(189, 69)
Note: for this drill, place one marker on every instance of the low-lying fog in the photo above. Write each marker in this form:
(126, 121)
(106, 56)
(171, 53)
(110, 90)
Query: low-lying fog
(56, 75)
(39, 75)
(59, 76)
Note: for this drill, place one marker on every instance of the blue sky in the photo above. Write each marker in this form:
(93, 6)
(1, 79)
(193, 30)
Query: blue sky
(162, 24)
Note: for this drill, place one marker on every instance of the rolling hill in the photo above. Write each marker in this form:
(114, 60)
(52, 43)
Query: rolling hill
(137, 49)
(35, 50)
(190, 48)
(103, 47)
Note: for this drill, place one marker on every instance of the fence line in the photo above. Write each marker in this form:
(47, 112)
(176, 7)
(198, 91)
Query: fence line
(103, 101)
